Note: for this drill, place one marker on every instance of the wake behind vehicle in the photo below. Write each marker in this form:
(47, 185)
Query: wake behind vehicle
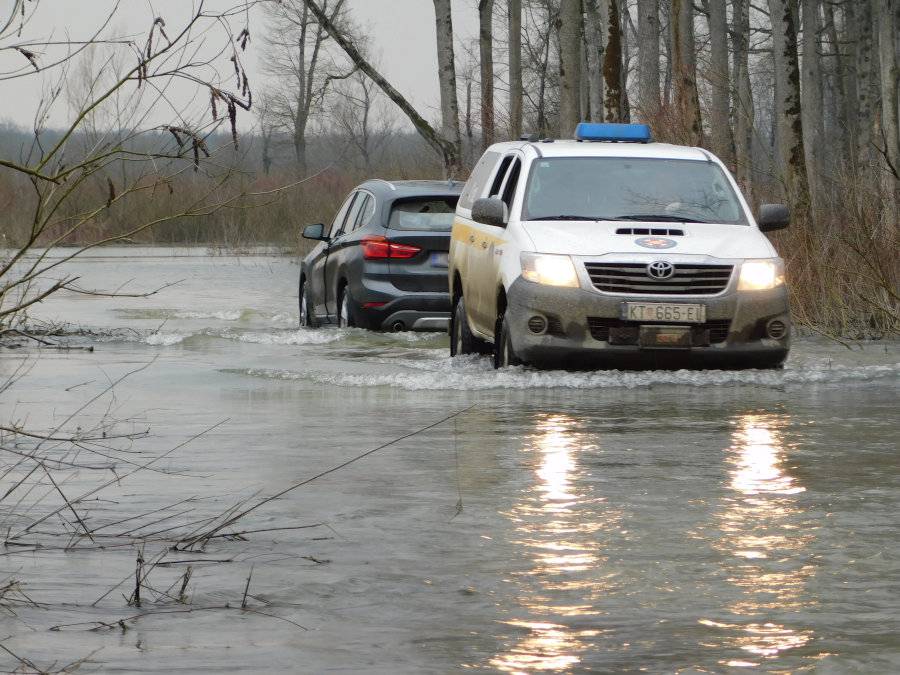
(614, 251)
(382, 263)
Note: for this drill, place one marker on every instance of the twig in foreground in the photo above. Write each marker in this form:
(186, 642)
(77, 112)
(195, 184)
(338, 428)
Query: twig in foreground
(238, 516)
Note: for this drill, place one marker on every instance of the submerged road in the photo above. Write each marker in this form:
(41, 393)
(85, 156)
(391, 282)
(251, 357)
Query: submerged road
(565, 522)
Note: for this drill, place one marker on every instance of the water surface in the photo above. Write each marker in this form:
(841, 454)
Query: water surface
(565, 522)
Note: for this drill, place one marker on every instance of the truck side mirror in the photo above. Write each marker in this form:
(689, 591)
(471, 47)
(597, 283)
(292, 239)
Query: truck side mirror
(489, 211)
(315, 232)
(773, 217)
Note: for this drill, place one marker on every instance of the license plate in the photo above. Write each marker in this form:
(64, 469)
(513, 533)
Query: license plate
(663, 311)
(439, 259)
(665, 337)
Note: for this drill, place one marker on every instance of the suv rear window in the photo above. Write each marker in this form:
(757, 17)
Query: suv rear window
(434, 214)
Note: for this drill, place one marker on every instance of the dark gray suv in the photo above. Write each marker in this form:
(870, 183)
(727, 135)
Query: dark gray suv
(382, 264)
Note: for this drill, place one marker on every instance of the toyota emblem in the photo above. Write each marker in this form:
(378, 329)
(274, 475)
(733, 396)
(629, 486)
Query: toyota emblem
(660, 270)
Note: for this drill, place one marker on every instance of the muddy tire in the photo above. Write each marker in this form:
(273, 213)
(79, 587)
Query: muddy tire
(307, 319)
(345, 310)
(462, 341)
(504, 354)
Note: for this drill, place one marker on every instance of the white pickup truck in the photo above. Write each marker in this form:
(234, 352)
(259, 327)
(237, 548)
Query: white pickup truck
(614, 251)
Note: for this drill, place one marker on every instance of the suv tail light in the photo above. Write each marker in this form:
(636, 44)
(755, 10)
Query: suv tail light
(380, 248)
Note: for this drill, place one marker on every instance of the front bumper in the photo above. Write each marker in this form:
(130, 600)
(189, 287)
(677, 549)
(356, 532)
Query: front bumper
(584, 327)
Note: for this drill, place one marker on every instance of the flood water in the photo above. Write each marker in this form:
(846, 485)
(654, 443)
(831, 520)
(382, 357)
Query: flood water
(563, 522)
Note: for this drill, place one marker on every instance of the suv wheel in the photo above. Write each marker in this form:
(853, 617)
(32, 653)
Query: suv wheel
(307, 320)
(504, 354)
(345, 318)
(462, 341)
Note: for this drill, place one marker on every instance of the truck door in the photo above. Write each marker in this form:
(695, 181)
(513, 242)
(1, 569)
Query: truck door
(484, 262)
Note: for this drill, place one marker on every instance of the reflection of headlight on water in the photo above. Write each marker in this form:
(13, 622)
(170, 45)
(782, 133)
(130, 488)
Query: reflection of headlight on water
(560, 533)
(761, 639)
(764, 543)
(549, 647)
(758, 460)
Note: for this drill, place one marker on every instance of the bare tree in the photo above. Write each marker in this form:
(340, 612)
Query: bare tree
(684, 72)
(648, 56)
(570, 25)
(486, 51)
(514, 8)
(812, 103)
(447, 75)
(865, 81)
(888, 13)
(719, 79)
(76, 183)
(743, 95)
(446, 144)
(355, 114)
(790, 123)
(594, 28)
(840, 125)
(295, 60)
(613, 72)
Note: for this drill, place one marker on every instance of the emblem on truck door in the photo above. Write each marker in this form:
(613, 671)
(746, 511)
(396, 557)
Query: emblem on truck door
(656, 242)
(660, 270)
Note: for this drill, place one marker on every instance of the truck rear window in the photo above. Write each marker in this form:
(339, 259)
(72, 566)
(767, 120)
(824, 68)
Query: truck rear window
(433, 214)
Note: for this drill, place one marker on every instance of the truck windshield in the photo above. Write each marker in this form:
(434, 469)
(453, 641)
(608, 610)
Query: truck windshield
(427, 213)
(622, 188)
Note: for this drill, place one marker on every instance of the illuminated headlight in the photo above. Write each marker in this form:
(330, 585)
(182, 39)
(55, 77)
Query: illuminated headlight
(550, 270)
(761, 275)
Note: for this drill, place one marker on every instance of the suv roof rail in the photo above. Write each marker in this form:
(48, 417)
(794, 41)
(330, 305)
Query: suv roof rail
(382, 180)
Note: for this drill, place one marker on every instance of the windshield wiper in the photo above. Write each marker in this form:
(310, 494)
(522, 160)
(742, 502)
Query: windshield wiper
(658, 217)
(568, 217)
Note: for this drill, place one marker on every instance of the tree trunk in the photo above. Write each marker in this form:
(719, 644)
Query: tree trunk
(569, 66)
(648, 57)
(613, 106)
(468, 118)
(719, 80)
(515, 68)
(866, 92)
(887, 51)
(486, 49)
(266, 151)
(743, 97)
(593, 37)
(448, 147)
(840, 120)
(813, 116)
(684, 73)
(790, 127)
(447, 74)
(300, 143)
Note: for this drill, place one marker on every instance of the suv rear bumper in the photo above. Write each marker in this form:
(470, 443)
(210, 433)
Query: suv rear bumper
(735, 335)
(402, 310)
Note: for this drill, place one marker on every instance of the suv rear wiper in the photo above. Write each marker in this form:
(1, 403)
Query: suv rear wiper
(650, 217)
(568, 217)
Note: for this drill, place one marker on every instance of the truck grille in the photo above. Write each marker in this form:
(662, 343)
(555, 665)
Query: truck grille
(688, 279)
(712, 332)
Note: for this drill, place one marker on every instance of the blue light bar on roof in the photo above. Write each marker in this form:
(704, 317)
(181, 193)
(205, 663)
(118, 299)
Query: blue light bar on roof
(628, 133)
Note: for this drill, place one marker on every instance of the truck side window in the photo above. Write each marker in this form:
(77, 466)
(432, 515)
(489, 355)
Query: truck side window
(512, 180)
(479, 178)
(500, 175)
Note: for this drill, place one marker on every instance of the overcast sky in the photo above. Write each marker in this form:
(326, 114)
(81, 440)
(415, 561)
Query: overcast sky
(401, 34)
